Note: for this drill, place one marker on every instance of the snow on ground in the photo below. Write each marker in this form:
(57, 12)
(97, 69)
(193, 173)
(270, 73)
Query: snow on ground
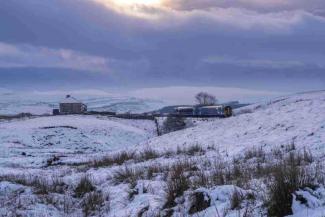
(298, 119)
(31, 142)
(38, 103)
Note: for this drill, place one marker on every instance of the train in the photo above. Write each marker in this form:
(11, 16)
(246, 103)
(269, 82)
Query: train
(223, 111)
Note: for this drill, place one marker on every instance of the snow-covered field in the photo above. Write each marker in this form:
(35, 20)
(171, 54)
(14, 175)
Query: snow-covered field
(38, 103)
(30, 142)
(298, 118)
(135, 171)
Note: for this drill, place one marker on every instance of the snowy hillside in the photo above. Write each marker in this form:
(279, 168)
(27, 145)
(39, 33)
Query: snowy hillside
(299, 119)
(268, 160)
(43, 103)
(31, 142)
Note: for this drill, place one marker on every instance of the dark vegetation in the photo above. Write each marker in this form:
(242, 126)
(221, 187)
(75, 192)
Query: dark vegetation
(173, 123)
(128, 175)
(177, 182)
(18, 116)
(40, 184)
(84, 186)
(116, 159)
(284, 170)
(52, 161)
(205, 99)
(54, 127)
(288, 176)
(148, 153)
(92, 202)
(199, 202)
(289, 173)
(236, 200)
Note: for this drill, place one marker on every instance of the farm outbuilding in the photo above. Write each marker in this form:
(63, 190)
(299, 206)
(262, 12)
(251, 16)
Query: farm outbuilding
(71, 105)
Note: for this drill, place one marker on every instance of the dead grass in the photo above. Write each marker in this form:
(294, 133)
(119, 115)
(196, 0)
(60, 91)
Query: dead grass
(191, 150)
(128, 175)
(39, 184)
(236, 200)
(85, 186)
(92, 202)
(145, 155)
(154, 170)
(148, 154)
(287, 177)
(177, 182)
(116, 159)
(257, 153)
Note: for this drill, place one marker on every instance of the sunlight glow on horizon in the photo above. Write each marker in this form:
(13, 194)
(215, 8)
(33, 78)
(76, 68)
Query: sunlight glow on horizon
(136, 8)
(137, 2)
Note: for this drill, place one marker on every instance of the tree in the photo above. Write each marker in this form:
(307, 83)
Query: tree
(173, 124)
(204, 98)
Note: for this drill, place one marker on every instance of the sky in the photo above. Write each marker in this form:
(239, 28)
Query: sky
(269, 46)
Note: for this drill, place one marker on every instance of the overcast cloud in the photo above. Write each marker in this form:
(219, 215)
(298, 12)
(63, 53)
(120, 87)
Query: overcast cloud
(277, 44)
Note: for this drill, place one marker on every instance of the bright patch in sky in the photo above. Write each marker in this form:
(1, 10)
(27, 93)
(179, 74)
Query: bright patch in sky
(133, 7)
(137, 2)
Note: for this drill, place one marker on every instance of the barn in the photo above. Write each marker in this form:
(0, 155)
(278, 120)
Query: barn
(71, 105)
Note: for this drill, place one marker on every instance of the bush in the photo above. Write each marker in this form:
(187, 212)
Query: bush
(85, 186)
(172, 124)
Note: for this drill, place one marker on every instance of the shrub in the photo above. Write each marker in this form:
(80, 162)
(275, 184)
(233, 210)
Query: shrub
(85, 186)
(173, 124)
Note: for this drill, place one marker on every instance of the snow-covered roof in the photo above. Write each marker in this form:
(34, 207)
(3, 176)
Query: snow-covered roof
(70, 99)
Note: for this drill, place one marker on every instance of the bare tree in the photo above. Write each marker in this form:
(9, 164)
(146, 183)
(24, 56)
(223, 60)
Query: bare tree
(204, 98)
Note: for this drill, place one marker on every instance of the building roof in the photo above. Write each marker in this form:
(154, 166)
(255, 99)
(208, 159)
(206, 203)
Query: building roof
(70, 99)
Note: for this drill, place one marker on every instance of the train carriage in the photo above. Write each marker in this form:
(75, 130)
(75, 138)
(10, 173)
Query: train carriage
(204, 111)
